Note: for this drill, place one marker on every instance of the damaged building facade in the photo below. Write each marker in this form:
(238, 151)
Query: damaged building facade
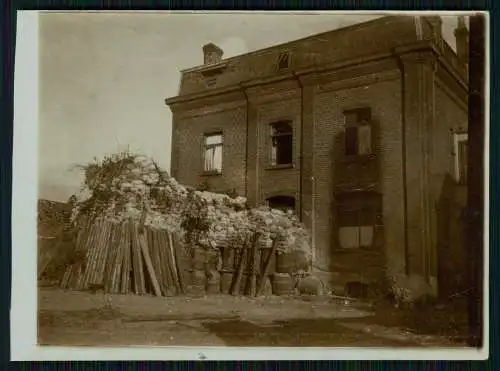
(361, 131)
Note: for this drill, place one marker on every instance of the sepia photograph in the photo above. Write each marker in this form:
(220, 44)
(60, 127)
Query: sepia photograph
(255, 180)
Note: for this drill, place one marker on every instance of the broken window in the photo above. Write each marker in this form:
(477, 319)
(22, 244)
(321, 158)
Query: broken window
(213, 153)
(282, 143)
(358, 132)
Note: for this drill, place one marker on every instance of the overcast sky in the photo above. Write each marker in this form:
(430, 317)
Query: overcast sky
(104, 78)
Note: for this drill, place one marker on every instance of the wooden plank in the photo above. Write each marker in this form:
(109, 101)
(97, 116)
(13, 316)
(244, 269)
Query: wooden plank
(111, 257)
(98, 247)
(138, 268)
(108, 251)
(149, 264)
(96, 277)
(165, 274)
(127, 262)
(93, 230)
(95, 252)
(162, 268)
(65, 278)
(252, 290)
(174, 243)
(101, 256)
(117, 261)
(123, 263)
(263, 275)
(239, 273)
(170, 264)
(81, 247)
(155, 259)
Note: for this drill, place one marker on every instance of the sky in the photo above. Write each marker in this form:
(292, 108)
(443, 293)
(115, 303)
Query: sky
(104, 77)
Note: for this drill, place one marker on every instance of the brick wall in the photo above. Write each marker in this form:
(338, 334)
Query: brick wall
(449, 255)
(187, 143)
(431, 111)
(274, 180)
(384, 100)
(355, 41)
(274, 103)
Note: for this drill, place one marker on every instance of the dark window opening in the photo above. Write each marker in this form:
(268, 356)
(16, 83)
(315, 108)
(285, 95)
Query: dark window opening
(283, 61)
(284, 203)
(351, 141)
(282, 144)
(358, 132)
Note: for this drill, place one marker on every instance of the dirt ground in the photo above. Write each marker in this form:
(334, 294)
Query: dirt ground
(85, 319)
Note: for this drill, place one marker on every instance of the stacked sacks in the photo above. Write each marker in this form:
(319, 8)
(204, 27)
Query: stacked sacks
(131, 187)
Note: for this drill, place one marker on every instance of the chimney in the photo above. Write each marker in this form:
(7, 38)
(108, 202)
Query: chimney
(212, 54)
(462, 40)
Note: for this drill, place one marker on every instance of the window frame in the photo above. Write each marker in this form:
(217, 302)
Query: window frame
(459, 137)
(363, 119)
(213, 146)
(356, 212)
(269, 200)
(273, 153)
(283, 55)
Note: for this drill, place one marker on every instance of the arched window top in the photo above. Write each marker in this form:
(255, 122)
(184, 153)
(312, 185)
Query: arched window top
(282, 128)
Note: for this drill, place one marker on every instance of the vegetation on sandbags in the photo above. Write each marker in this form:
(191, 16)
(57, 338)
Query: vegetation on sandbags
(129, 186)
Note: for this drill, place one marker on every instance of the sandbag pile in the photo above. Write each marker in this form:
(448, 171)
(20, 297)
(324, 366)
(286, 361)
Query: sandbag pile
(132, 187)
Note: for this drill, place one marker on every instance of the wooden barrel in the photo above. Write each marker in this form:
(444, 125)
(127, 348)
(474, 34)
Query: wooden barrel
(282, 284)
(213, 283)
(284, 263)
(212, 260)
(227, 258)
(226, 279)
(198, 258)
(197, 284)
(244, 284)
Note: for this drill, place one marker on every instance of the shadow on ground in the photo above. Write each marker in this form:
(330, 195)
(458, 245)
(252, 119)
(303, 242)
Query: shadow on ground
(297, 332)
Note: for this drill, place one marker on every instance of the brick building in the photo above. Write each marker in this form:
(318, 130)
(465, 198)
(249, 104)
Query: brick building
(360, 130)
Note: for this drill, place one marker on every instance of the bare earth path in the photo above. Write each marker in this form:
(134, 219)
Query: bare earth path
(84, 319)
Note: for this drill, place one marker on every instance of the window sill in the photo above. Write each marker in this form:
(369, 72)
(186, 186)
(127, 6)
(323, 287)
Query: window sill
(358, 158)
(355, 250)
(280, 167)
(211, 173)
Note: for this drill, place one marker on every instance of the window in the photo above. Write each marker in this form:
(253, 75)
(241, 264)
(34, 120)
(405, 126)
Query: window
(283, 61)
(282, 143)
(213, 153)
(284, 203)
(356, 227)
(358, 132)
(461, 157)
(358, 215)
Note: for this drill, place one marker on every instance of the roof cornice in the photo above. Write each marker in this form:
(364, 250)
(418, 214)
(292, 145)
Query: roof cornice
(441, 55)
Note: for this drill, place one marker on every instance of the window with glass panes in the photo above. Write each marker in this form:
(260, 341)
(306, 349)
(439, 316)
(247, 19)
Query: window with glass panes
(213, 152)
